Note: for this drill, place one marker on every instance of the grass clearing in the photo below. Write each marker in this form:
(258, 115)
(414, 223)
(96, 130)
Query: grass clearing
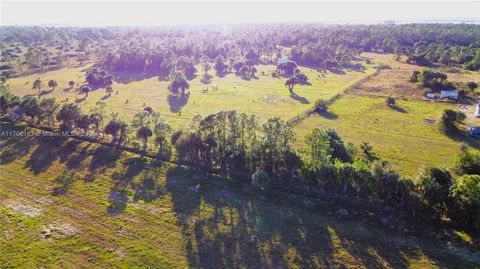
(394, 80)
(266, 96)
(124, 212)
(400, 136)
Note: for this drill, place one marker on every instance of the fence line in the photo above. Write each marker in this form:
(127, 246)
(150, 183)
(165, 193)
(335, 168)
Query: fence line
(298, 118)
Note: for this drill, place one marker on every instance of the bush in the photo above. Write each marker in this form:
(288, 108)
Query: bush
(390, 101)
(321, 105)
(449, 120)
(366, 147)
(468, 162)
(466, 196)
(434, 186)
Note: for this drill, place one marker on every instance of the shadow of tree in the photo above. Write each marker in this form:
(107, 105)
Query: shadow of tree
(126, 77)
(337, 71)
(104, 157)
(13, 147)
(206, 79)
(47, 151)
(45, 92)
(398, 109)
(227, 224)
(75, 160)
(80, 100)
(105, 97)
(328, 115)
(176, 102)
(64, 182)
(139, 176)
(299, 98)
(460, 136)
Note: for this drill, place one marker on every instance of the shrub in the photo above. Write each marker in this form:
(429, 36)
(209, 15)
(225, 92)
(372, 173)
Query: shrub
(434, 186)
(390, 101)
(321, 105)
(366, 147)
(468, 162)
(466, 196)
(449, 120)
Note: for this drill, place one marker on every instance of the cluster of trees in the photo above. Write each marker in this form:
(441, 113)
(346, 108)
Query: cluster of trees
(431, 79)
(99, 77)
(450, 120)
(458, 198)
(231, 140)
(425, 53)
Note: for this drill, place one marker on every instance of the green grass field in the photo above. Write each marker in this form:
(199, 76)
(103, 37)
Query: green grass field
(122, 211)
(398, 135)
(266, 96)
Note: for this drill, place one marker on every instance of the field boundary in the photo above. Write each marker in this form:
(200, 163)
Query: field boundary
(298, 118)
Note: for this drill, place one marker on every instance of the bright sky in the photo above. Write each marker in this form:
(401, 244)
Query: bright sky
(108, 12)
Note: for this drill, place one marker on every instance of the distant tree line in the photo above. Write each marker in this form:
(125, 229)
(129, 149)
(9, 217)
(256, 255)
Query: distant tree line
(164, 50)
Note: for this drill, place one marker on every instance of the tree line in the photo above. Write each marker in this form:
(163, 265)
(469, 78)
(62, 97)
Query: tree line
(163, 50)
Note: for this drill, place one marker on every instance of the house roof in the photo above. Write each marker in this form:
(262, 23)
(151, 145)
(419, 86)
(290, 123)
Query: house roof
(450, 93)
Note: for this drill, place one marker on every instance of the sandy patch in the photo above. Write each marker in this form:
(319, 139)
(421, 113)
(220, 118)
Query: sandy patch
(24, 209)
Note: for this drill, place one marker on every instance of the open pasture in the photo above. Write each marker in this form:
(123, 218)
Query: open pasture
(393, 79)
(264, 96)
(121, 210)
(406, 135)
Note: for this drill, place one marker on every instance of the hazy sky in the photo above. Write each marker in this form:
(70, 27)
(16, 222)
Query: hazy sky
(72, 12)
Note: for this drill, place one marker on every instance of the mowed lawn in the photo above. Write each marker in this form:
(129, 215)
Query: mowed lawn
(265, 96)
(400, 135)
(122, 211)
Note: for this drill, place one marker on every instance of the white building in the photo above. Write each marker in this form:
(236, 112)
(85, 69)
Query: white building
(451, 94)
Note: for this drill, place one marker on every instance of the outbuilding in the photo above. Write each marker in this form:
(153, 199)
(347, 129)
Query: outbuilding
(450, 94)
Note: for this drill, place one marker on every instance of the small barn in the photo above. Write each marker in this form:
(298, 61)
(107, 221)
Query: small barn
(450, 94)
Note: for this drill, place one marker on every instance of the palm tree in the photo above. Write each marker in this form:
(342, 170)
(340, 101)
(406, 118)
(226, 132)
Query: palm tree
(144, 133)
(37, 85)
(123, 127)
(290, 83)
(109, 90)
(84, 123)
(31, 107)
(162, 132)
(205, 62)
(96, 119)
(112, 129)
(69, 114)
(52, 84)
(86, 90)
(178, 82)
